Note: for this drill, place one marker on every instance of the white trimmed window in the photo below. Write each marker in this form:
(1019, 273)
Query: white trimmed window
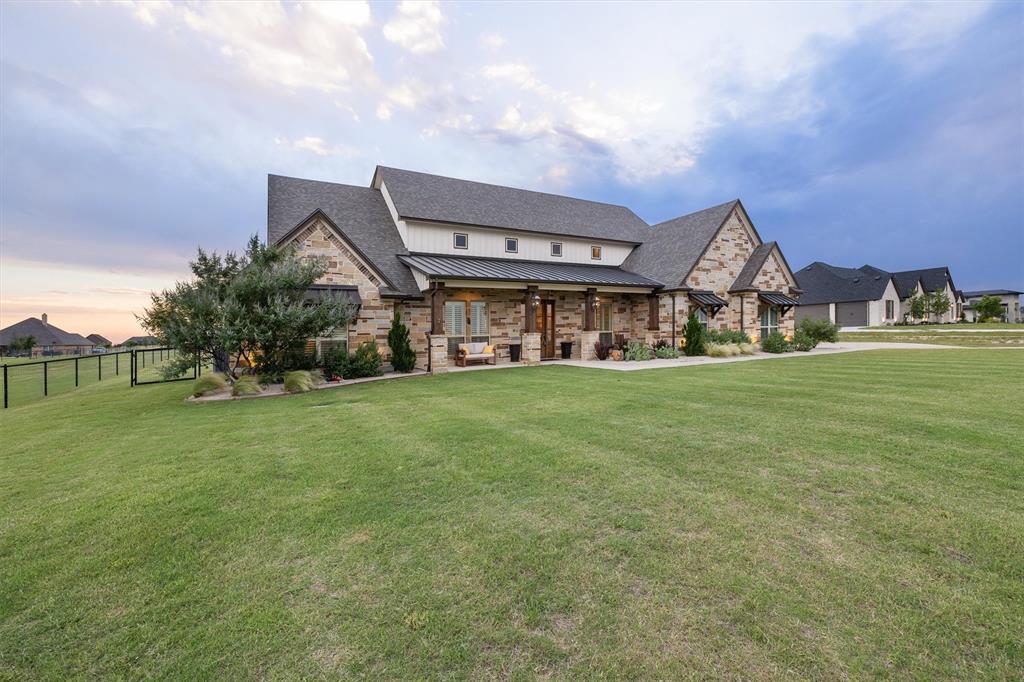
(556, 249)
(769, 321)
(455, 324)
(595, 253)
(702, 317)
(511, 245)
(479, 329)
(460, 240)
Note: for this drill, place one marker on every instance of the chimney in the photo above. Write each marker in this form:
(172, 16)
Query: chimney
(44, 319)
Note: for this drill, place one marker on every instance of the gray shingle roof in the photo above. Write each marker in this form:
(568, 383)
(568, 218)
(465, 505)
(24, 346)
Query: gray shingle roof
(434, 197)
(671, 249)
(745, 280)
(359, 213)
(990, 292)
(98, 339)
(932, 278)
(45, 334)
(824, 283)
(507, 269)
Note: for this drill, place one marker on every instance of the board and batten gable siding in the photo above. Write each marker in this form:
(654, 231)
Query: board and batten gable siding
(490, 243)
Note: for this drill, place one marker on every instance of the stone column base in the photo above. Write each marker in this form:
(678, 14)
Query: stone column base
(587, 341)
(438, 354)
(531, 349)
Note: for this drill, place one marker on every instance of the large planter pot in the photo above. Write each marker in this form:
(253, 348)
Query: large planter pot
(566, 350)
(514, 350)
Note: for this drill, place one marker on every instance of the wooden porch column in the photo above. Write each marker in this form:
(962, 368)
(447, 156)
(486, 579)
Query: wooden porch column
(590, 311)
(437, 310)
(653, 313)
(530, 323)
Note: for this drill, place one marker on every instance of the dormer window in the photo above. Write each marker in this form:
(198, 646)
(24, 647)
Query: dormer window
(511, 245)
(460, 240)
(556, 249)
(595, 253)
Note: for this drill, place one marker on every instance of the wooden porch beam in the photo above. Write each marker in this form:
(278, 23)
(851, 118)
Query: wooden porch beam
(653, 313)
(437, 310)
(590, 311)
(530, 313)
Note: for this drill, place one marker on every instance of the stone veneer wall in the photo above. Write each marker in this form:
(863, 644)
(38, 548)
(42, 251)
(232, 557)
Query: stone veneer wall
(317, 239)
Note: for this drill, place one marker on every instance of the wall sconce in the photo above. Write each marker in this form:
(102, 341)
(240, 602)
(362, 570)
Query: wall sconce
(536, 298)
(597, 301)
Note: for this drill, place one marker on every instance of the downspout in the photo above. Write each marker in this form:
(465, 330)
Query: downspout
(743, 316)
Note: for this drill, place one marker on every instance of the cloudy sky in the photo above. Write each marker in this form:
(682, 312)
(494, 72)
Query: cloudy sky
(133, 132)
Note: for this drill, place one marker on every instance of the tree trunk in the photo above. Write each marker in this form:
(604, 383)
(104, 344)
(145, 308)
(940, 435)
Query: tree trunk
(221, 361)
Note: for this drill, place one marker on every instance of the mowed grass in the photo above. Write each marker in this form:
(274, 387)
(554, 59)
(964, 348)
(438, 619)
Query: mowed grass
(26, 381)
(950, 338)
(855, 515)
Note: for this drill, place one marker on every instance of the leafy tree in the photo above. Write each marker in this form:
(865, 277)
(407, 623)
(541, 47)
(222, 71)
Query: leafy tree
(918, 306)
(250, 306)
(403, 358)
(988, 308)
(22, 344)
(938, 303)
(694, 335)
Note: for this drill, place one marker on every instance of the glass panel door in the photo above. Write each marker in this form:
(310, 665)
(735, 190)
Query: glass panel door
(605, 323)
(769, 321)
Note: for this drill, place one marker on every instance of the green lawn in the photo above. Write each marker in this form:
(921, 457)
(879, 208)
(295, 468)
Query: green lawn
(824, 517)
(951, 338)
(26, 381)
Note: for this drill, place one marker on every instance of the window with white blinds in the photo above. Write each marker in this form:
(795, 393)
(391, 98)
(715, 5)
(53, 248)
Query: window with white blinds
(478, 327)
(455, 324)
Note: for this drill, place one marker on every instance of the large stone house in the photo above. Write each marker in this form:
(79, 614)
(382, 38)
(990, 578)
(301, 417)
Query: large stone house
(870, 296)
(525, 271)
(1008, 298)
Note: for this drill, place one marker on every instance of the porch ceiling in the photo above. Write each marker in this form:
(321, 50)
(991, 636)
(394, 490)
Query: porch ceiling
(513, 270)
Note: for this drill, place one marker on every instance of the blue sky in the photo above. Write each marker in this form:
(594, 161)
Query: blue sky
(882, 133)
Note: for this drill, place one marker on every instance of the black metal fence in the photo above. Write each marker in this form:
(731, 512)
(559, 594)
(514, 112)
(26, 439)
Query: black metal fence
(25, 381)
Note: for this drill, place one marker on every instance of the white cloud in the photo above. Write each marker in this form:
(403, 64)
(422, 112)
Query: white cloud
(317, 146)
(416, 26)
(492, 40)
(383, 111)
(315, 45)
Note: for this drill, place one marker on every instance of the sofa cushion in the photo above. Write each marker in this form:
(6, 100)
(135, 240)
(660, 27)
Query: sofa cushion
(477, 348)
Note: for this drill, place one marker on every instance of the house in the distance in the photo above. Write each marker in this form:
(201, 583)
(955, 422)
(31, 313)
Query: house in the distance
(525, 272)
(99, 340)
(1009, 299)
(140, 341)
(869, 296)
(49, 340)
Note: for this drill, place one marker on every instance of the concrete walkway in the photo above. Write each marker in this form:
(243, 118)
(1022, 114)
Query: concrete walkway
(632, 366)
(953, 329)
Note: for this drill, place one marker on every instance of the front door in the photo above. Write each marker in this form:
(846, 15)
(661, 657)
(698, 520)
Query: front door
(546, 328)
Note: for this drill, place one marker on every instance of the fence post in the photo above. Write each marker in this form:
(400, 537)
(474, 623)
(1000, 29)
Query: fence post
(5, 386)
(46, 387)
(117, 364)
(131, 366)
(76, 371)
(99, 367)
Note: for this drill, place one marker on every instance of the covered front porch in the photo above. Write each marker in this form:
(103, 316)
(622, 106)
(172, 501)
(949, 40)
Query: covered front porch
(528, 312)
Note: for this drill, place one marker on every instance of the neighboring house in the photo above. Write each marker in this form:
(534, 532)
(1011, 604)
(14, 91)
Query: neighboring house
(99, 341)
(140, 341)
(49, 340)
(465, 261)
(1009, 298)
(869, 296)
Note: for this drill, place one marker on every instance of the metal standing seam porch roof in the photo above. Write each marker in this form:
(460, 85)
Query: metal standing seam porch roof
(509, 270)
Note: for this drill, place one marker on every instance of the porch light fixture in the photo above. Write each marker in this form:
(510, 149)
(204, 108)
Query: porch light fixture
(597, 301)
(536, 298)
